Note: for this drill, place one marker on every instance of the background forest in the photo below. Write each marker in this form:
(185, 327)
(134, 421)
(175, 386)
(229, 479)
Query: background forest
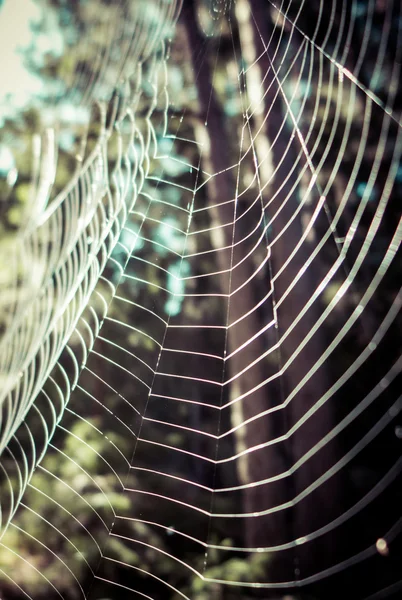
(243, 171)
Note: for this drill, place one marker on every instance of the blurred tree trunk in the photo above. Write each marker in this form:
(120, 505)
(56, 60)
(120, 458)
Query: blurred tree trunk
(257, 465)
(286, 145)
(283, 156)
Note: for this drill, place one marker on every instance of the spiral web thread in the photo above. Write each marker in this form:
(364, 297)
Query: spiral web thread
(61, 253)
(288, 258)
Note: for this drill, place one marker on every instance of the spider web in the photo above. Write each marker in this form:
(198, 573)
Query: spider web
(260, 306)
(85, 220)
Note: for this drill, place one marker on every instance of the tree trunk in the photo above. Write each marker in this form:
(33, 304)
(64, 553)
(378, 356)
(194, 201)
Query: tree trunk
(261, 463)
(286, 146)
(281, 200)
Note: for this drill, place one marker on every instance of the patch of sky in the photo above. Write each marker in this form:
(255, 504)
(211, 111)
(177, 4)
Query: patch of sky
(65, 113)
(169, 237)
(176, 286)
(73, 114)
(47, 38)
(7, 161)
(152, 17)
(20, 36)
